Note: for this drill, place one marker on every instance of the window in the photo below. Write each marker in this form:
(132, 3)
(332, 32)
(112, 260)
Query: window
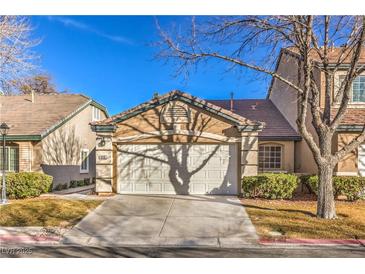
(95, 113)
(84, 167)
(358, 88)
(270, 157)
(11, 159)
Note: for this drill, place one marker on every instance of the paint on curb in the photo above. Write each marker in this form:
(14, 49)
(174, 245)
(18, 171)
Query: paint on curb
(312, 242)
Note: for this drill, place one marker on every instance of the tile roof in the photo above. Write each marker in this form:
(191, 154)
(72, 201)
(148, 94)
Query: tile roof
(276, 126)
(353, 116)
(27, 118)
(176, 94)
(333, 54)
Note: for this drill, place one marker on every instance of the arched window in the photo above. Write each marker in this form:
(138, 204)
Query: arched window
(270, 157)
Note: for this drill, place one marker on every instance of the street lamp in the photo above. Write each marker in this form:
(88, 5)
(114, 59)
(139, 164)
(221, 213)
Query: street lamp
(4, 129)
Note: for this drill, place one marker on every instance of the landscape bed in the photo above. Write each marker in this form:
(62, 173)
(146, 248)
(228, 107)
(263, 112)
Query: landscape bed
(288, 219)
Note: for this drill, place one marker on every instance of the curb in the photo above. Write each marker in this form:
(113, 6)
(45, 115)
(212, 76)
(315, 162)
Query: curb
(27, 239)
(312, 242)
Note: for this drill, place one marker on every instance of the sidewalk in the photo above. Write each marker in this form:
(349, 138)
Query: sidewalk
(31, 235)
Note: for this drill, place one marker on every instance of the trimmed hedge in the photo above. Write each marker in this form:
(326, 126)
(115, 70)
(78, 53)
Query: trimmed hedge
(270, 186)
(350, 186)
(27, 184)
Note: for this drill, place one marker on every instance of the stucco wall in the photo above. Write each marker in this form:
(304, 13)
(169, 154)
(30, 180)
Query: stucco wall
(58, 154)
(349, 164)
(284, 98)
(149, 121)
(201, 127)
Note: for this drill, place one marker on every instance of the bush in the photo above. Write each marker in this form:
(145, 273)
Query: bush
(61, 187)
(270, 186)
(87, 181)
(80, 183)
(350, 186)
(73, 184)
(27, 184)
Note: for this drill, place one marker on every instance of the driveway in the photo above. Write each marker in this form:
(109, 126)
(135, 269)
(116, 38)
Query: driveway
(154, 220)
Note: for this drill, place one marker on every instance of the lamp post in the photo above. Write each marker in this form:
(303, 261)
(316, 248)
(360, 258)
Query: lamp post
(4, 129)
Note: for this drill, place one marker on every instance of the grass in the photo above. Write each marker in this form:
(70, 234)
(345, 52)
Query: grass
(45, 212)
(297, 219)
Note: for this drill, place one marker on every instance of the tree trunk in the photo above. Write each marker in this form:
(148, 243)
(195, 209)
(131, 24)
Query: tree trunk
(326, 201)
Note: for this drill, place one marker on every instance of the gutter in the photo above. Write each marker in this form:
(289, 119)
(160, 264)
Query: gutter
(353, 128)
(23, 137)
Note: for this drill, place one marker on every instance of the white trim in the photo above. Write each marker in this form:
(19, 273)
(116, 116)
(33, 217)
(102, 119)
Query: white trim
(95, 114)
(177, 132)
(87, 160)
(346, 173)
(337, 83)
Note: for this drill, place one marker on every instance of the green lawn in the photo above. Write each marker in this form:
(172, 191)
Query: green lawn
(45, 212)
(297, 220)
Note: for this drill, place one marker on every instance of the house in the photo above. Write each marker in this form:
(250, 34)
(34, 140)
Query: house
(51, 134)
(285, 99)
(180, 144)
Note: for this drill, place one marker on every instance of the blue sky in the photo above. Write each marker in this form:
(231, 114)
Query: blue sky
(110, 58)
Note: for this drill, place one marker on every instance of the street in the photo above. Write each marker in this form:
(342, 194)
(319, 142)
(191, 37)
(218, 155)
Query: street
(181, 252)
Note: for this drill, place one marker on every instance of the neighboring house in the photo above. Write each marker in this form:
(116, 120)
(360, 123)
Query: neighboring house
(51, 134)
(285, 99)
(178, 143)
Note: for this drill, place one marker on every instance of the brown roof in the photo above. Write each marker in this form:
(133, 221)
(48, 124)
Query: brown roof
(176, 94)
(27, 118)
(276, 126)
(353, 116)
(333, 54)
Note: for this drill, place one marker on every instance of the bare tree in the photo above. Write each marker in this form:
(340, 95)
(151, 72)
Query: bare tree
(16, 57)
(234, 39)
(41, 84)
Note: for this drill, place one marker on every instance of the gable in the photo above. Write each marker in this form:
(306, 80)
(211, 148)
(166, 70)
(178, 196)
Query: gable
(241, 123)
(176, 116)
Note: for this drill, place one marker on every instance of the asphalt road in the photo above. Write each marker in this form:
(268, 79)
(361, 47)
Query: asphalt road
(181, 252)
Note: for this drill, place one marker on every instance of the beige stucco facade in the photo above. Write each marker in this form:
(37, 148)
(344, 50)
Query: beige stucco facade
(285, 99)
(148, 127)
(58, 154)
(349, 165)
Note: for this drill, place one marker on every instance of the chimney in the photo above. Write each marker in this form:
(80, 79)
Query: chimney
(231, 102)
(32, 96)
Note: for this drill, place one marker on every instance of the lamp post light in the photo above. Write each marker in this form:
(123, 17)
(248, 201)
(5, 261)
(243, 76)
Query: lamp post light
(4, 129)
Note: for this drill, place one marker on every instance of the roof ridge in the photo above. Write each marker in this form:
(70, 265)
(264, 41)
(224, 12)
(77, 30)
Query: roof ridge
(170, 95)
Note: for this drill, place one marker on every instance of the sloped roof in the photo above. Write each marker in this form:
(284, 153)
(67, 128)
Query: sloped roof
(276, 126)
(353, 116)
(178, 95)
(333, 54)
(36, 118)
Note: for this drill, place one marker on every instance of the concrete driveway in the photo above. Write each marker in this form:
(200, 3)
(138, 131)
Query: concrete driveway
(154, 220)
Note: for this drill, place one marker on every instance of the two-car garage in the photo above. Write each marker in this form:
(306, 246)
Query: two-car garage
(177, 168)
(175, 144)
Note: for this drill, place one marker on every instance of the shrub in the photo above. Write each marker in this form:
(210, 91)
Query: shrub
(61, 187)
(87, 181)
(350, 186)
(80, 183)
(27, 184)
(270, 186)
(73, 184)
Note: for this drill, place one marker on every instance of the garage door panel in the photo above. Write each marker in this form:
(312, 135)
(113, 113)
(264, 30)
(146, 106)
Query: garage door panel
(214, 168)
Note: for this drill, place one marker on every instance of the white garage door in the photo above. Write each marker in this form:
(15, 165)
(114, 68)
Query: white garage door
(177, 169)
